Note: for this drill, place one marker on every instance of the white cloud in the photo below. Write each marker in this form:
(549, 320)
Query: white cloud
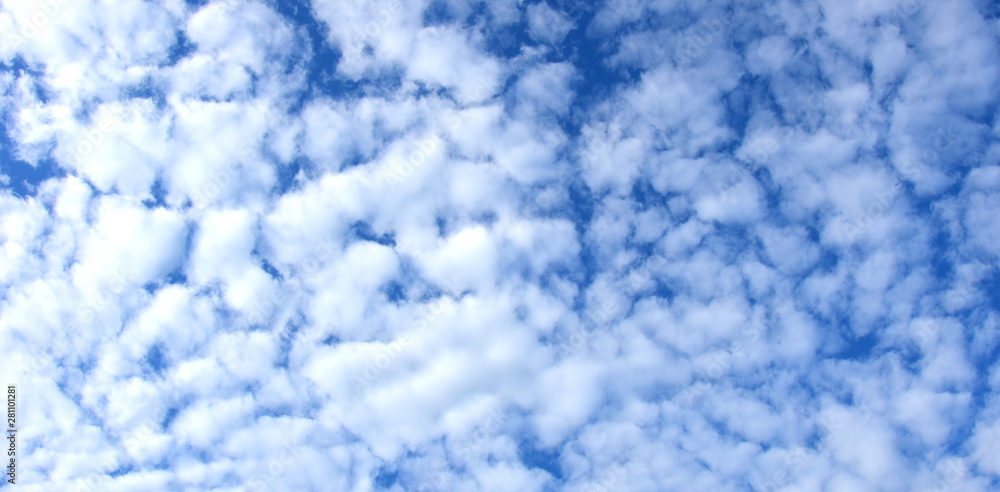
(546, 24)
(434, 244)
(444, 57)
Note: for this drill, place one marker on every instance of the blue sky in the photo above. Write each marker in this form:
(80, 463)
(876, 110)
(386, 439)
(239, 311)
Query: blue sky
(512, 245)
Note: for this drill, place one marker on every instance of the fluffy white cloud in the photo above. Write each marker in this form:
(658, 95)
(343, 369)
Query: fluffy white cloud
(398, 245)
(546, 24)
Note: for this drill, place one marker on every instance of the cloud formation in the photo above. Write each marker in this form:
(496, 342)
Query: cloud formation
(531, 246)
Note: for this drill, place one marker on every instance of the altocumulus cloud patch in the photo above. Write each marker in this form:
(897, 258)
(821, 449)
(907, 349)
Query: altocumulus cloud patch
(507, 245)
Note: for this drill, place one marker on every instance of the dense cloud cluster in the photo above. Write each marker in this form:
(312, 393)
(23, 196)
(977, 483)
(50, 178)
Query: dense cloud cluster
(515, 245)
